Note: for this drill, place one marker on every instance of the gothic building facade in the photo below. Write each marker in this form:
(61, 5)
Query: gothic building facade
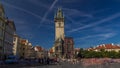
(63, 46)
(68, 47)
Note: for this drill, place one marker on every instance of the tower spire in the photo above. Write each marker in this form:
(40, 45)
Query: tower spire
(59, 13)
(2, 12)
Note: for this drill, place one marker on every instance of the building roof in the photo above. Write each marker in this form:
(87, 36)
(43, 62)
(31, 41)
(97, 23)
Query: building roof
(68, 37)
(23, 41)
(108, 46)
(38, 48)
(77, 49)
(51, 50)
(59, 13)
(11, 24)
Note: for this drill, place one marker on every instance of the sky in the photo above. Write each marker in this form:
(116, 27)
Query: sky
(89, 22)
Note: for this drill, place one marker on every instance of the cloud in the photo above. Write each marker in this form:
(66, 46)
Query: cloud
(90, 16)
(21, 9)
(82, 14)
(73, 21)
(70, 1)
(98, 36)
(71, 14)
(96, 23)
(38, 3)
(102, 29)
(51, 7)
(100, 10)
(27, 35)
(76, 13)
(23, 28)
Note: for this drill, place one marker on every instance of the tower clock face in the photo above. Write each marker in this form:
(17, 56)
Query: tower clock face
(59, 24)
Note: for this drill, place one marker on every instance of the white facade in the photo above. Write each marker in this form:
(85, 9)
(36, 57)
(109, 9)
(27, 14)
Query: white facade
(17, 45)
(40, 52)
(29, 51)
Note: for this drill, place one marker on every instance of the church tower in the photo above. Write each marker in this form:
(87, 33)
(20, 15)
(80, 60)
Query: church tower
(59, 25)
(63, 46)
(59, 33)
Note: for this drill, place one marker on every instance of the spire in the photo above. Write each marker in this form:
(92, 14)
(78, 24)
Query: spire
(2, 13)
(59, 13)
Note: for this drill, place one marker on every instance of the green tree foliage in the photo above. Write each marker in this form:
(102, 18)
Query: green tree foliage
(98, 54)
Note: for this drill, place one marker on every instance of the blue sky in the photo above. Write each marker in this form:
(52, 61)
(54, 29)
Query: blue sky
(89, 22)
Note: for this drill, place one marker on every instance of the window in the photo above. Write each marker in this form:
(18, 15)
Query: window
(0, 43)
(14, 39)
(1, 32)
(0, 23)
(0, 12)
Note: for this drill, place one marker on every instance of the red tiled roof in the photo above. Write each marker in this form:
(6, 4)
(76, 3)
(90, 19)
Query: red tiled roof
(77, 49)
(51, 50)
(23, 41)
(39, 48)
(108, 46)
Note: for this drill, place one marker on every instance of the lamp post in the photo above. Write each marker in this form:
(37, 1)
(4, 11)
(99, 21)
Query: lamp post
(3, 47)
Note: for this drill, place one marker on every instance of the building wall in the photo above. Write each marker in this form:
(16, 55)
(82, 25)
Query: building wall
(7, 29)
(116, 50)
(59, 24)
(68, 47)
(1, 36)
(2, 23)
(26, 50)
(40, 52)
(23, 46)
(22, 50)
(30, 52)
(59, 30)
(9, 33)
(17, 45)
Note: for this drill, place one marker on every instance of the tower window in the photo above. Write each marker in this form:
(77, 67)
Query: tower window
(59, 24)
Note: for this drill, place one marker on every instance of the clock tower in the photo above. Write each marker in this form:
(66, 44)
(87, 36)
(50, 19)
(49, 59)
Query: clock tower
(59, 25)
(63, 46)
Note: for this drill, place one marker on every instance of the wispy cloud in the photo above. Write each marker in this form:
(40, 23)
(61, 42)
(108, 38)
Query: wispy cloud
(21, 25)
(100, 11)
(38, 3)
(90, 16)
(76, 12)
(103, 29)
(73, 21)
(96, 23)
(70, 1)
(21, 9)
(51, 7)
(71, 14)
(98, 36)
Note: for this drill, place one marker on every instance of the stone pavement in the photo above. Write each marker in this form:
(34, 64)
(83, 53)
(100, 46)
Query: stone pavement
(63, 65)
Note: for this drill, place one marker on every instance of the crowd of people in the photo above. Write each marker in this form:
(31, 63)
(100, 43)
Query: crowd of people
(98, 61)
